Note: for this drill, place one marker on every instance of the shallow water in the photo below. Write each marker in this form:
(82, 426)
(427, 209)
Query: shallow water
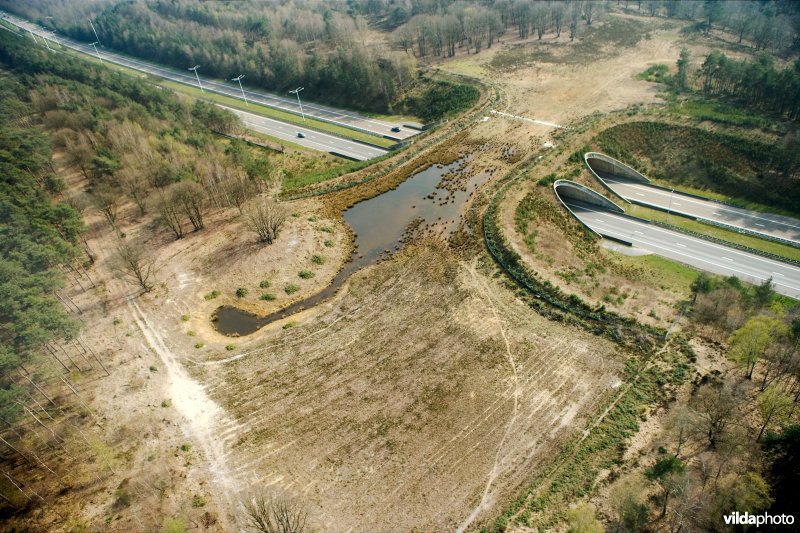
(381, 225)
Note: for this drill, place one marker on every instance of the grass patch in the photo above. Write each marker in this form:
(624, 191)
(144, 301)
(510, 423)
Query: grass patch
(265, 284)
(668, 274)
(291, 288)
(329, 243)
(267, 297)
(655, 74)
(230, 347)
(277, 114)
(185, 318)
(715, 111)
(213, 294)
(199, 344)
(713, 231)
(306, 274)
(293, 181)
(241, 292)
(290, 325)
(318, 259)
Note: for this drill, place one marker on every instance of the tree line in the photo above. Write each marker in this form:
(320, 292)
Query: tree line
(137, 145)
(277, 46)
(40, 238)
(757, 84)
(732, 444)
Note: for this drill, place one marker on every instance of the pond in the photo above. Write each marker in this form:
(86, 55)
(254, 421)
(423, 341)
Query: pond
(429, 202)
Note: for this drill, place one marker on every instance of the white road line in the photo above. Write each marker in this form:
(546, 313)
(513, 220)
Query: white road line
(704, 203)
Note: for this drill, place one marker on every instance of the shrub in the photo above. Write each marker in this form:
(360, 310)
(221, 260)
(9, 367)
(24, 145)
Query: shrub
(241, 292)
(318, 259)
(265, 283)
(198, 501)
(329, 243)
(185, 447)
(153, 368)
(327, 229)
(185, 318)
(199, 345)
(291, 288)
(230, 347)
(267, 296)
(166, 403)
(305, 274)
(213, 294)
(289, 325)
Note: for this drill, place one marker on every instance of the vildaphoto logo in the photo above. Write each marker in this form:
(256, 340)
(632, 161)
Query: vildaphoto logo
(746, 519)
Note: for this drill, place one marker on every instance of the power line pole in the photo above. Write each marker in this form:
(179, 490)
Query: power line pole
(95, 31)
(297, 92)
(239, 79)
(194, 68)
(94, 45)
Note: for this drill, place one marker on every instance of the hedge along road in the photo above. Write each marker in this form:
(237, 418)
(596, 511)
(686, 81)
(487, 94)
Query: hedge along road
(692, 251)
(314, 139)
(768, 224)
(333, 115)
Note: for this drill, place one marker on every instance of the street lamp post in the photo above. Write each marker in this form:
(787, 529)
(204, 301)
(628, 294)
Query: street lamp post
(239, 79)
(194, 68)
(94, 45)
(669, 207)
(297, 92)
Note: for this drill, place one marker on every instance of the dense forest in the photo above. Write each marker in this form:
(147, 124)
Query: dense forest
(340, 51)
(757, 84)
(278, 47)
(40, 237)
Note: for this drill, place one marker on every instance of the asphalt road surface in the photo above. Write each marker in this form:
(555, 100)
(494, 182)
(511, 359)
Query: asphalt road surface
(313, 138)
(230, 88)
(765, 223)
(692, 251)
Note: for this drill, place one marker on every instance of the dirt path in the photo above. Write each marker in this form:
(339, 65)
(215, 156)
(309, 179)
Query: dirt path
(517, 392)
(205, 420)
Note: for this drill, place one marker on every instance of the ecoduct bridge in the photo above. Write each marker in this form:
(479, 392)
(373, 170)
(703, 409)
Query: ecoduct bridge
(605, 218)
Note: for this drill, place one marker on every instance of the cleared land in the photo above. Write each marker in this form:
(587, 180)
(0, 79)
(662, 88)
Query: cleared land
(425, 392)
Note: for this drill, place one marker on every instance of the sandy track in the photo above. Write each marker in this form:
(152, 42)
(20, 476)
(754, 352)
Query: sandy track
(204, 419)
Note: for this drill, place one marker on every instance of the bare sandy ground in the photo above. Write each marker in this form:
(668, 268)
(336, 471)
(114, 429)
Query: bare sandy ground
(422, 399)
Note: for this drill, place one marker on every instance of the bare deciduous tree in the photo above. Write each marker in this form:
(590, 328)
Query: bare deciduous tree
(169, 215)
(136, 185)
(277, 515)
(107, 201)
(191, 198)
(133, 261)
(265, 217)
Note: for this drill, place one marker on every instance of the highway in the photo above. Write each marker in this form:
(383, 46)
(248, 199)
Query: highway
(313, 139)
(764, 223)
(325, 113)
(692, 251)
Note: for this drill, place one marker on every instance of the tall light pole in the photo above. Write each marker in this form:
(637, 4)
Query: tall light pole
(194, 68)
(297, 92)
(669, 207)
(95, 31)
(94, 45)
(239, 79)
